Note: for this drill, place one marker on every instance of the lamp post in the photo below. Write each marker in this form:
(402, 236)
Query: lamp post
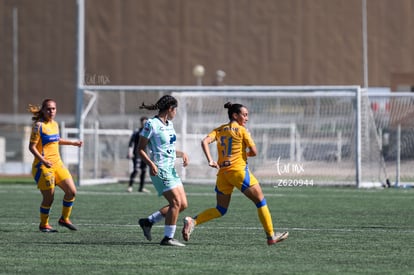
(220, 75)
(198, 72)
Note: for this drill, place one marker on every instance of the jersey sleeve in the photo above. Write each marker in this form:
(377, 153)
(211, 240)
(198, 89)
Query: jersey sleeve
(248, 138)
(147, 131)
(213, 134)
(35, 134)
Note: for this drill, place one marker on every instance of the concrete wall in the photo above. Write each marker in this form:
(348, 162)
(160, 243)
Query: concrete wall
(157, 42)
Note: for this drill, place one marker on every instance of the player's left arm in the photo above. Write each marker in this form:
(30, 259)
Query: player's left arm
(77, 143)
(252, 151)
(184, 156)
(251, 146)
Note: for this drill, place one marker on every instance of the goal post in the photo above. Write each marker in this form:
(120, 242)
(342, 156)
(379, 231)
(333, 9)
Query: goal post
(304, 134)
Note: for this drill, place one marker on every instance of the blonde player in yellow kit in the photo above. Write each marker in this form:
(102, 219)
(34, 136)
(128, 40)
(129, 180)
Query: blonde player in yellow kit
(48, 169)
(234, 146)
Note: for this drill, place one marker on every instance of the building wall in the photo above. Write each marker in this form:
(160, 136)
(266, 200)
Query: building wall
(158, 42)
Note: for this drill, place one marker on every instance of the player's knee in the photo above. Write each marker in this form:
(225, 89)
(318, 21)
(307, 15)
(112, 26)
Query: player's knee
(184, 205)
(70, 194)
(221, 209)
(178, 205)
(261, 203)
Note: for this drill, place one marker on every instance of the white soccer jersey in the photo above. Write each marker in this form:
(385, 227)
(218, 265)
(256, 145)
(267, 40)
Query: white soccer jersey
(161, 142)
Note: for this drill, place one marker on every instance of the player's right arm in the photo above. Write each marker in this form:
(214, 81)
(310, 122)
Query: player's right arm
(206, 149)
(252, 151)
(34, 140)
(251, 146)
(142, 144)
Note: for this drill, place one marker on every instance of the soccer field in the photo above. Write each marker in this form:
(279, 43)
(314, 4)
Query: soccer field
(332, 231)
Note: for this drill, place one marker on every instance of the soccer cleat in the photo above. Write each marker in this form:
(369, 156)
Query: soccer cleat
(277, 238)
(67, 223)
(188, 228)
(146, 227)
(171, 242)
(47, 229)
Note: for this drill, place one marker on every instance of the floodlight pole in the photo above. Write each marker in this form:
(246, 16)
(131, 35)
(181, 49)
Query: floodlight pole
(360, 91)
(365, 42)
(15, 28)
(80, 73)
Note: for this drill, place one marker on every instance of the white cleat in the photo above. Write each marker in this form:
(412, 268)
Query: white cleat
(188, 228)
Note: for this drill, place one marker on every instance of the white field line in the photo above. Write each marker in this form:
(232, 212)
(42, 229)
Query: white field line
(229, 228)
(212, 194)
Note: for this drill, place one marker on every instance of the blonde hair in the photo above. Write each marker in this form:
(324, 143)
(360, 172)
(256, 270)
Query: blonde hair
(37, 110)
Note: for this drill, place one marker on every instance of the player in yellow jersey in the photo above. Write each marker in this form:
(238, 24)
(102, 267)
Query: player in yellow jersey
(234, 146)
(48, 169)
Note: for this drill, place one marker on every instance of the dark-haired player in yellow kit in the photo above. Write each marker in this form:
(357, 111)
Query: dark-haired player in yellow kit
(48, 169)
(234, 145)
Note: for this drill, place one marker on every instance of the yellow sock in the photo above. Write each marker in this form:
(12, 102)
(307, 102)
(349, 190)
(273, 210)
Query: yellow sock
(44, 215)
(206, 215)
(67, 208)
(266, 220)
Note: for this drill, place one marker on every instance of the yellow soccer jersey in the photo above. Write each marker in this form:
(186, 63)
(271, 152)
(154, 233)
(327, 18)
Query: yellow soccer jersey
(232, 141)
(46, 137)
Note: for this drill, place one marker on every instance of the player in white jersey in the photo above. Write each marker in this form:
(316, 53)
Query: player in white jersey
(159, 135)
(161, 142)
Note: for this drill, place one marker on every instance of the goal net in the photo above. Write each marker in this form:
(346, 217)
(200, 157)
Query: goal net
(304, 135)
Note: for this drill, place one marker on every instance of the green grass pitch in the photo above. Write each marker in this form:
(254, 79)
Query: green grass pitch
(332, 231)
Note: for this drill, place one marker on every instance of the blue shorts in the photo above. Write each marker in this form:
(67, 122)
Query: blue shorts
(165, 180)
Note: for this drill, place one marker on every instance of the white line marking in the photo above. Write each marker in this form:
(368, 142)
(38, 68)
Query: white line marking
(279, 229)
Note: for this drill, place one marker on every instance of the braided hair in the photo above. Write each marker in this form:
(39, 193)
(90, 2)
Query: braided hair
(37, 110)
(163, 104)
(233, 109)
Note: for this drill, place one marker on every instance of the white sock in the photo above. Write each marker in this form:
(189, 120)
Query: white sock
(169, 231)
(155, 217)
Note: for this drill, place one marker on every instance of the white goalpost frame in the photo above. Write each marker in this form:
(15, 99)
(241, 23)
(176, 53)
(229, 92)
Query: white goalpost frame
(363, 116)
(358, 138)
(249, 91)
